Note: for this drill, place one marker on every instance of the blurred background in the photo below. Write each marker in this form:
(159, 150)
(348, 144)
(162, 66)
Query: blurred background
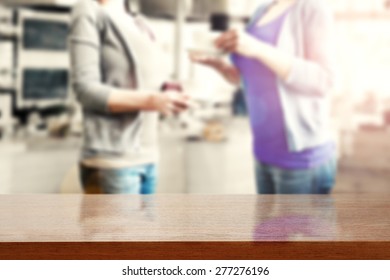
(207, 150)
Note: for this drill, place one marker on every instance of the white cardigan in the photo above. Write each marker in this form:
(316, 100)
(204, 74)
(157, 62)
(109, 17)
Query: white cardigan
(305, 94)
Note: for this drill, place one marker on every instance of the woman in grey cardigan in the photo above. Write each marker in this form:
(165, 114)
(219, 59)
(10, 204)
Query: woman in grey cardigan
(117, 76)
(284, 62)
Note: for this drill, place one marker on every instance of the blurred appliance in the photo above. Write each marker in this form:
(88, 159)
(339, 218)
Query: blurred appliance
(43, 59)
(63, 3)
(6, 120)
(7, 35)
(199, 8)
(5, 15)
(6, 64)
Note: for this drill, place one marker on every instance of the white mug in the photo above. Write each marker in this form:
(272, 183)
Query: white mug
(204, 42)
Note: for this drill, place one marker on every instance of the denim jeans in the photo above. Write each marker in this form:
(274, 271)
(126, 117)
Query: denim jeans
(134, 180)
(274, 180)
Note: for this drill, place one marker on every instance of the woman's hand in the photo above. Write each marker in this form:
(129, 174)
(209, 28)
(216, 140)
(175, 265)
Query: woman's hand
(229, 72)
(207, 60)
(235, 41)
(170, 102)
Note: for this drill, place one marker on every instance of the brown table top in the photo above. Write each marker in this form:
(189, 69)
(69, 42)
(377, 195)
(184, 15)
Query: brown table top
(236, 221)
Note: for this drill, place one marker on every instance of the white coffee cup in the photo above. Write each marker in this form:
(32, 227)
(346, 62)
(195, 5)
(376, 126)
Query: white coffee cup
(204, 42)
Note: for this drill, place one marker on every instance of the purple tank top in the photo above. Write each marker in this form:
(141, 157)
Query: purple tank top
(265, 110)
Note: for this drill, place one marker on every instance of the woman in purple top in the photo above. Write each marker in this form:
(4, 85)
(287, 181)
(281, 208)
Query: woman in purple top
(284, 62)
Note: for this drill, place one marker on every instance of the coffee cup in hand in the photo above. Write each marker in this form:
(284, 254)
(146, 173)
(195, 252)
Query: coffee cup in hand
(204, 41)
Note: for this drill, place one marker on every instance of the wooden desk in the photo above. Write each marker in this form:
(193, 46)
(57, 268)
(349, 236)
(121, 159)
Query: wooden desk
(194, 227)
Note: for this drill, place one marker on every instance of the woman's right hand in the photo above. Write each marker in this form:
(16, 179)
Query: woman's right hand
(170, 102)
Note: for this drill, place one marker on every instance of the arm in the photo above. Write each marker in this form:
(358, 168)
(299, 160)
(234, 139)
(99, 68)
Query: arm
(228, 71)
(94, 95)
(120, 101)
(314, 74)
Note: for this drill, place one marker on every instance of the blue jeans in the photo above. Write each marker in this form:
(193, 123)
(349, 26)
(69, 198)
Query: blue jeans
(274, 180)
(134, 180)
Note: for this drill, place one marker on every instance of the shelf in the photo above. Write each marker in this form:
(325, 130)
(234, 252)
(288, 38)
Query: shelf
(6, 90)
(9, 33)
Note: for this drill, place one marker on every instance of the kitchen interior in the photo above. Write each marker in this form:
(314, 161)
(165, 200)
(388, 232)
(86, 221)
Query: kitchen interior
(205, 150)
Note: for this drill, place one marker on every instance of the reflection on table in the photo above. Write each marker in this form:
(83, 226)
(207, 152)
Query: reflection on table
(299, 219)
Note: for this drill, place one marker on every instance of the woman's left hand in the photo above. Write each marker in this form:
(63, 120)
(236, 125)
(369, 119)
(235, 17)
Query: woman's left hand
(235, 41)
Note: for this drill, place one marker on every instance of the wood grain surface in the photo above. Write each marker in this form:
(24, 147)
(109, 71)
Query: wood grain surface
(194, 227)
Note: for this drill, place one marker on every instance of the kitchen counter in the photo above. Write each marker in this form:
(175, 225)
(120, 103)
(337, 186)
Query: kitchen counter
(195, 227)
